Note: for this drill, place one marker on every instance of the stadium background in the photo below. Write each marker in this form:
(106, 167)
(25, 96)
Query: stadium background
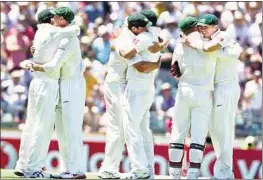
(242, 20)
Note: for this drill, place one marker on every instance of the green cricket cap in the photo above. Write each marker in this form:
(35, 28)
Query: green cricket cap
(138, 20)
(207, 20)
(65, 12)
(187, 23)
(45, 16)
(151, 16)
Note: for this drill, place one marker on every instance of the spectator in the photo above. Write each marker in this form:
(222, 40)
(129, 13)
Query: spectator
(101, 45)
(17, 101)
(165, 100)
(94, 10)
(17, 45)
(91, 81)
(253, 95)
(15, 81)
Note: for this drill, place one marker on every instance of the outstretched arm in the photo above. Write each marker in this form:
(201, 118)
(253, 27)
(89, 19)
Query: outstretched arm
(57, 61)
(206, 46)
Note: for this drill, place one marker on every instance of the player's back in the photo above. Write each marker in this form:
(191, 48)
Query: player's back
(45, 45)
(146, 38)
(197, 68)
(117, 66)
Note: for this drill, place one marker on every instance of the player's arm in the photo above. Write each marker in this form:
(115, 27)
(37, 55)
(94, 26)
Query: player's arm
(205, 46)
(139, 43)
(232, 50)
(147, 67)
(59, 32)
(57, 61)
(163, 42)
(143, 66)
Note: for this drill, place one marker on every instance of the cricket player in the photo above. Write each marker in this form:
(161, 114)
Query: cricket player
(227, 93)
(140, 88)
(115, 83)
(42, 86)
(193, 105)
(161, 37)
(114, 87)
(68, 65)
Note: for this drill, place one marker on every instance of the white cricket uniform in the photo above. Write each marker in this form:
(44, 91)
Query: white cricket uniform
(42, 98)
(193, 103)
(114, 87)
(69, 121)
(226, 96)
(139, 95)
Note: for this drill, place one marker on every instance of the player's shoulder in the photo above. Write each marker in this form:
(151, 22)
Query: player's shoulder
(144, 36)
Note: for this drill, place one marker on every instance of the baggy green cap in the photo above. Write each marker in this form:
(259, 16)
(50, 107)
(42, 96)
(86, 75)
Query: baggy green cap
(138, 20)
(65, 12)
(151, 16)
(45, 16)
(187, 23)
(207, 20)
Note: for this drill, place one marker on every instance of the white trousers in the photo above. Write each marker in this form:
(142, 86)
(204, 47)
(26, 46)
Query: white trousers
(114, 98)
(138, 136)
(222, 127)
(69, 123)
(36, 135)
(192, 109)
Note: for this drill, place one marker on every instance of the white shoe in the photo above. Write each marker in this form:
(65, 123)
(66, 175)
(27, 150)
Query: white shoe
(175, 173)
(138, 175)
(37, 174)
(193, 174)
(108, 175)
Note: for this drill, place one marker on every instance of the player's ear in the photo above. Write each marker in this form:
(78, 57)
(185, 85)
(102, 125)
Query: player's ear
(134, 29)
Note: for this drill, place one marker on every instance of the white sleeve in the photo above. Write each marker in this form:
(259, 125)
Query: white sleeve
(142, 42)
(177, 52)
(165, 35)
(58, 32)
(58, 59)
(232, 51)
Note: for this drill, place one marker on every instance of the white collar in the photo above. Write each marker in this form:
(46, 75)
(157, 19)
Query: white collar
(215, 34)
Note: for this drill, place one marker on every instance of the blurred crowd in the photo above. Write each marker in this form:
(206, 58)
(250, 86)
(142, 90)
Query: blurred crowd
(242, 20)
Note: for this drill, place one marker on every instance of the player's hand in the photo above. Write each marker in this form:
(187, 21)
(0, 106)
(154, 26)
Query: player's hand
(32, 50)
(155, 47)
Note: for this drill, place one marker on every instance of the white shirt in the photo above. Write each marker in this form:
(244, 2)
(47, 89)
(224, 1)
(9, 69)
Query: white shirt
(255, 90)
(227, 60)
(46, 43)
(68, 62)
(143, 41)
(197, 68)
(117, 65)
